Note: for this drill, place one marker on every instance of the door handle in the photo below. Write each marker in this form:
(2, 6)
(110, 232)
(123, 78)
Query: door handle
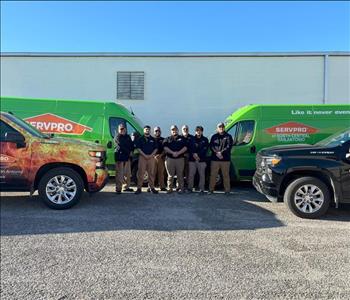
(252, 149)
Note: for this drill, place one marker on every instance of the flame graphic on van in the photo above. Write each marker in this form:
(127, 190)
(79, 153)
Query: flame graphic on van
(50, 123)
(292, 128)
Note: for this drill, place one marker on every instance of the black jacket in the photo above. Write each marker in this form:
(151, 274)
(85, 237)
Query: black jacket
(199, 146)
(123, 147)
(222, 143)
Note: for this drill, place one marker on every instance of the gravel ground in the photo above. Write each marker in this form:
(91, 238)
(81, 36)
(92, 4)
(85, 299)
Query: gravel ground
(171, 246)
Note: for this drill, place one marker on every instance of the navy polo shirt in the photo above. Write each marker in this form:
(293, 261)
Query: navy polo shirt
(146, 144)
(175, 143)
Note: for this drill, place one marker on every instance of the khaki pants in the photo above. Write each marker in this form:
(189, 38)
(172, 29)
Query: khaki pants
(225, 170)
(193, 167)
(159, 169)
(175, 166)
(145, 165)
(122, 174)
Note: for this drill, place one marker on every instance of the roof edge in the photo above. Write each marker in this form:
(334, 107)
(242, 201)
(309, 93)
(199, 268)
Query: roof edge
(171, 54)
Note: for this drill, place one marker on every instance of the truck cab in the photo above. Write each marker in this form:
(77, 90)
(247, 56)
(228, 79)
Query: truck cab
(59, 168)
(307, 177)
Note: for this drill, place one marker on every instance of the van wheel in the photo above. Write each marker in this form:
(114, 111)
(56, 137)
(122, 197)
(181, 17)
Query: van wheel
(307, 197)
(61, 188)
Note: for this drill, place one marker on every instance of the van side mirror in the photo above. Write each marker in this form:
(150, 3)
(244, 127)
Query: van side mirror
(109, 145)
(15, 137)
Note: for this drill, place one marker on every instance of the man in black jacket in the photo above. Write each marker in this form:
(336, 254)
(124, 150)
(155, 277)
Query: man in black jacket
(220, 146)
(159, 168)
(123, 150)
(198, 148)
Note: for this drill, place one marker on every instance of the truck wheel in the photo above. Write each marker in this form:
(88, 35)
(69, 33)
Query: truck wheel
(307, 197)
(61, 188)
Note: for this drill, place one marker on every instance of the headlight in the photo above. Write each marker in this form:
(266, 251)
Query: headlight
(268, 161)
(95, 153)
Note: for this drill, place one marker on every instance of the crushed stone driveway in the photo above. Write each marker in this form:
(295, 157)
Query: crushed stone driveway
(171, 247)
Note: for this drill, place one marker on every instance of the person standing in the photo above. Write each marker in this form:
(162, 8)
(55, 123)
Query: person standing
(122, 152)
(159, 168)
(188, 138)
(175, 147)
(147, 147)
(220, 146)
(197, 159)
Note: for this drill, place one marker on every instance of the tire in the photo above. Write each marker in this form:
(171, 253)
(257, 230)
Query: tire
(68, 181)
(307, 197)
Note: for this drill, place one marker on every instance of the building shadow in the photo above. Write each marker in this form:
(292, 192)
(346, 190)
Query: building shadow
(106, 211)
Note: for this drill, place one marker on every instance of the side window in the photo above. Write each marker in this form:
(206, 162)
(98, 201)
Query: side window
(114, 123)
(5, 128)
(245, 133)
(233, 132)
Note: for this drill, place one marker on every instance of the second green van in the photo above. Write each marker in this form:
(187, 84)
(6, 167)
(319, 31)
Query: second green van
(93, 121)
(254, 127)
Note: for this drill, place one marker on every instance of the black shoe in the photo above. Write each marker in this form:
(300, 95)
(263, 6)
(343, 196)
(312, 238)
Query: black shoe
(201, 193)
(149, 190)
(169, 191)
(138, 191)
(163, 189)
(128, 190)
(227, 193)
(188, 191)
(154, 191)
(210, 193)
(118, 192)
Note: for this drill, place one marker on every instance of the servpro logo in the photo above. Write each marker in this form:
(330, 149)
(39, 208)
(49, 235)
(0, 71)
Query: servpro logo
(291, 128)
(6, 159)
(50, 123)
(291, 132)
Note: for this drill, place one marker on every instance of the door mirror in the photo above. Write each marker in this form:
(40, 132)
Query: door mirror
(15, 137)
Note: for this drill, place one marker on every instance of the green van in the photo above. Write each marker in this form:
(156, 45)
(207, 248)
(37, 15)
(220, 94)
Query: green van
(87, 120)
(254, 127)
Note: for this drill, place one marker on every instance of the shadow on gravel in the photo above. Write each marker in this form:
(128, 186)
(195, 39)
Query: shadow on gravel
(106, 211)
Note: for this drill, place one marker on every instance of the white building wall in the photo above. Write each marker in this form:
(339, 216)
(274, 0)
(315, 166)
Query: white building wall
(181, 90)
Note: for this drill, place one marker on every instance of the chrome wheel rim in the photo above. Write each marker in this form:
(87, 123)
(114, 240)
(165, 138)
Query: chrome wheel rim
(61, 189)
(309, 198)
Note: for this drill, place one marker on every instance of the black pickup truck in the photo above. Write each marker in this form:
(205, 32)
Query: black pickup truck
(307, 177)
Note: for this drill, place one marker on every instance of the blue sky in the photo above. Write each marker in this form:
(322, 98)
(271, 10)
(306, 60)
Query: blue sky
(174, 26)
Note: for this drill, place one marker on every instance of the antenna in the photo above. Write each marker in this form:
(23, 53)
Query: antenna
(132, 111)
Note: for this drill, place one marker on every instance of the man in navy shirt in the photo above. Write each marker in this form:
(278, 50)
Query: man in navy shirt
(147, 147)
(159, 168)
(122, 152)
(220, 146)
(188, 138)
(197, 159)
(175, 147)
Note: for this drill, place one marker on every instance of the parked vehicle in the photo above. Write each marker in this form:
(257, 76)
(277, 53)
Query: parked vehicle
(85, 120)
(59, 168)
(255, 127)
(307, 177)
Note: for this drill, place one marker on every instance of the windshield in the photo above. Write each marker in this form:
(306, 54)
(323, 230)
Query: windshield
(27, 127)
(336, 139)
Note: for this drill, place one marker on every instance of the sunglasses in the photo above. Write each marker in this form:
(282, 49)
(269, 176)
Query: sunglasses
(121, 128)
(157, 131)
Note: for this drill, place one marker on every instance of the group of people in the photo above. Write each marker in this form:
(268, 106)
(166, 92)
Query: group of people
(181, 155)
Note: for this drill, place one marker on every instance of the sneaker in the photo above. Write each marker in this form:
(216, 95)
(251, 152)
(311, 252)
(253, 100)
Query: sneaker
(163, 189)
(169, 191)
(201, 193)
(138, 191)
(210, 193)
(180, 191)
(148, 190)
(128, 190)
(188, 191)
(118, 192)
(154, 191)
